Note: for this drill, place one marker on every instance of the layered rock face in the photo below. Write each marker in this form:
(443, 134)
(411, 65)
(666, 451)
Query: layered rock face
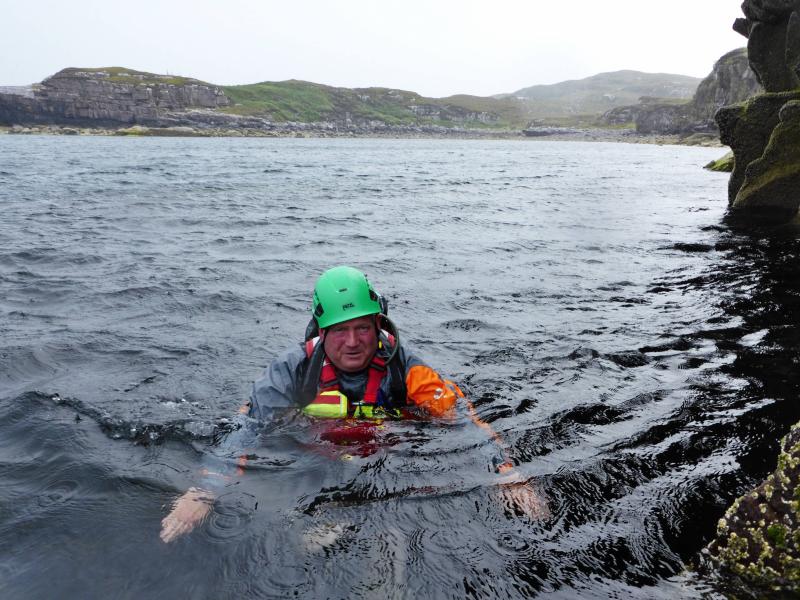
(116, 97)
(653, 117)
(764, 132)
(452, 113)
(731, 80)
(112, 97)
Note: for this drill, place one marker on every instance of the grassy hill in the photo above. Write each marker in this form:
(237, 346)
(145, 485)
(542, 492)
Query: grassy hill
(570, 103)
(304, 101)
(295, 100)
(599, 93)
(566, 103)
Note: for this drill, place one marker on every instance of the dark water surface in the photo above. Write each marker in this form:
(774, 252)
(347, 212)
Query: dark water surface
(637, 354)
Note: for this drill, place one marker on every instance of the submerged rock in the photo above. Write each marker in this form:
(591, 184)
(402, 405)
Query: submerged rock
(723, 164)
(758, 539)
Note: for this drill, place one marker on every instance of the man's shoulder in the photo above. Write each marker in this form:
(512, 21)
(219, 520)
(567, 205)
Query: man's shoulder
(294, 355)
(408, 356)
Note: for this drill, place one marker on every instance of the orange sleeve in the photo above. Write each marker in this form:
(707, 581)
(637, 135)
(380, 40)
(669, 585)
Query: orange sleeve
(428, 390)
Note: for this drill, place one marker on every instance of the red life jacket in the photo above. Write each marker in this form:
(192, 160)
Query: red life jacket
(329, 381)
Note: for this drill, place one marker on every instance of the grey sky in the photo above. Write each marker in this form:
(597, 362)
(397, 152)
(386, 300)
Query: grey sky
(434, 47)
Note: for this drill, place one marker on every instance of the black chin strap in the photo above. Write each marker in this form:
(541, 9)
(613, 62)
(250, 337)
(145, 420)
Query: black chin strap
(397, 380)
(313, 369)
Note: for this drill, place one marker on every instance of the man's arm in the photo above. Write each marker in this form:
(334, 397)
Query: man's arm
(439, 396)
(191, 508)
(272, 396)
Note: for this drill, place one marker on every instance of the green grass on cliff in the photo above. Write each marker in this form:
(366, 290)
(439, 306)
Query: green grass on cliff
(285, 101)
(309, 102)
(123, 75)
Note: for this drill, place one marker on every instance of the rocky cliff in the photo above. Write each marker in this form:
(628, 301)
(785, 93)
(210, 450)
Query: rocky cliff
(758, 541)
(731, 80)
(108, 97)
(764, 132)
(117, 97)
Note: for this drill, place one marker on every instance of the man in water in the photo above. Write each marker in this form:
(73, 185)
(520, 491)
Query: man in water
(352, 366)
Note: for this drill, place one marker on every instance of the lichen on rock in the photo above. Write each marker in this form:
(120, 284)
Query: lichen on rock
(758, 539)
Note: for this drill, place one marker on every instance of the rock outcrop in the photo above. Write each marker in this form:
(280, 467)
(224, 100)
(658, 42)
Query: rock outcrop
(772, 29)
(730, 81)
(655, 116)
(758, 540)
(721, 165)
(107, 97)
(764, 132)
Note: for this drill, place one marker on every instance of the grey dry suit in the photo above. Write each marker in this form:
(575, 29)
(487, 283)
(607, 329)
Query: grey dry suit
(292, 380)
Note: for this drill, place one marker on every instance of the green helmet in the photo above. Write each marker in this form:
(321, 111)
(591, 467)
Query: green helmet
(341, 294)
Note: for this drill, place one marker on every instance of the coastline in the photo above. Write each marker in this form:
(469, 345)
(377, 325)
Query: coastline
(311, 130)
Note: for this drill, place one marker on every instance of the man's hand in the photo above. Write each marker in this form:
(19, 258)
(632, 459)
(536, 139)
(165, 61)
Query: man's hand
(518, 495)
(525, 499)
(187, 512)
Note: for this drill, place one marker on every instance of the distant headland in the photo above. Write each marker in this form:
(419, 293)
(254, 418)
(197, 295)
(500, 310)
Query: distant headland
(623, 105)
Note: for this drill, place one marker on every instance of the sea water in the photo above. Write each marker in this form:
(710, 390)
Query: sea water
(634, 353)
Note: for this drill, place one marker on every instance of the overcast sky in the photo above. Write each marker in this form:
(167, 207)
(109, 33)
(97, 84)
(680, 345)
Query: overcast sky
(434, 47)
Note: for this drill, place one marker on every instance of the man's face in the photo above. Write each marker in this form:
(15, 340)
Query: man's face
(351, 345)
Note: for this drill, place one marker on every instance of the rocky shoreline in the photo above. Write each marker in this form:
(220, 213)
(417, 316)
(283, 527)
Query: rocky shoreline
(756, 550)
(325, 130)
(120, 101)
(757, 545)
